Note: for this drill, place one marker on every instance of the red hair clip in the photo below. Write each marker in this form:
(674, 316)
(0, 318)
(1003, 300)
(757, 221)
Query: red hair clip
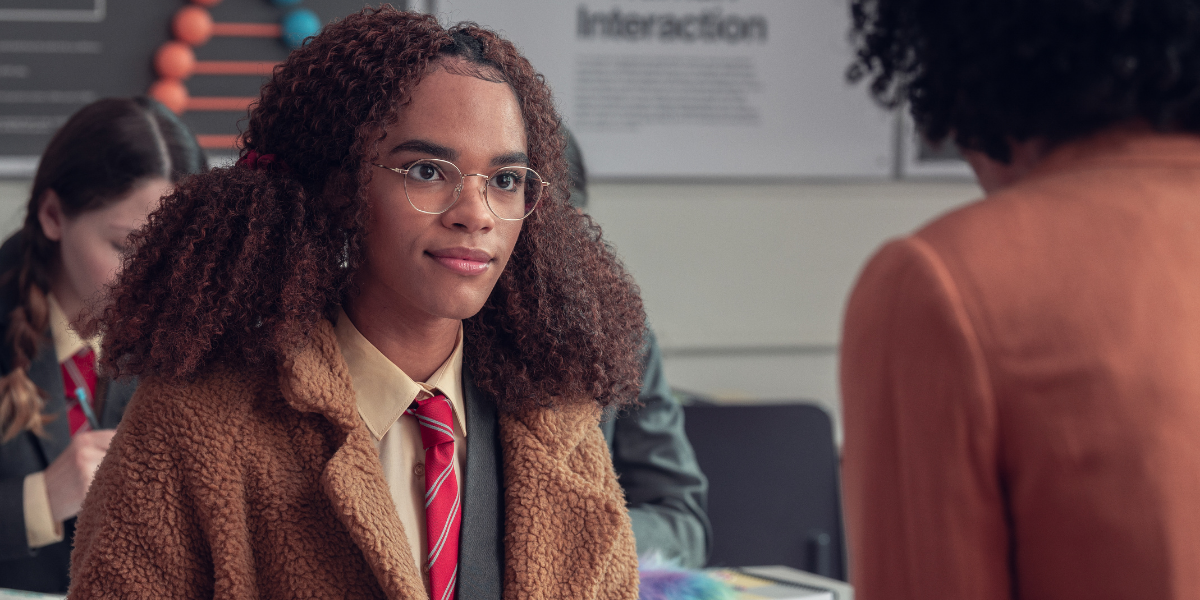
(255, 161)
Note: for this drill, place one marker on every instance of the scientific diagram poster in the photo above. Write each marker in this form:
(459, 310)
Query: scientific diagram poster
(58, 55)
(700, 88)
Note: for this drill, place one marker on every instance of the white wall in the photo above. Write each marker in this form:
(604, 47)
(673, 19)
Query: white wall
(744, 284)
(13, 196)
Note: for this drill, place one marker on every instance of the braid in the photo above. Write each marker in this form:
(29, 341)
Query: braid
(131, 140)
(21, 401)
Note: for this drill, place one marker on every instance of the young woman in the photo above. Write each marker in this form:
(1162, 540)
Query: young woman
(375, 352)
(102, 173)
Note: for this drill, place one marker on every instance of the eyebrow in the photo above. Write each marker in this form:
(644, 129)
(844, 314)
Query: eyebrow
(512, 158)
(426, 147)
(439, 151)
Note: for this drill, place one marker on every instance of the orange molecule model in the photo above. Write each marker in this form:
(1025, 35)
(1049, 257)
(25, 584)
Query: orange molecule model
(171, 93)
(208, 3)
(192, 25)
(175, 60)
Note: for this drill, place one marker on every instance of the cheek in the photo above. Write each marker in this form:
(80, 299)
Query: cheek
(390, 233)
(510, 236)
(92, 263)
(105, 266)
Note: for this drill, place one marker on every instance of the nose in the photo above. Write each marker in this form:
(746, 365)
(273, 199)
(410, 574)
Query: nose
(470, 213)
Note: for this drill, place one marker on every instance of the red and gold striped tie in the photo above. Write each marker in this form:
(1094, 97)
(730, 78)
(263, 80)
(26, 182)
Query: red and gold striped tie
(442, 507)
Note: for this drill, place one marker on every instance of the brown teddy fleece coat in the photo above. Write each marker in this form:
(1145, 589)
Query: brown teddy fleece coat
(241, 486)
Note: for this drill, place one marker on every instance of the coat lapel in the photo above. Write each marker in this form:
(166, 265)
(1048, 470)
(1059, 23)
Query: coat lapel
(481, 545)
(315, 379)
(567, 534)
(45, 372)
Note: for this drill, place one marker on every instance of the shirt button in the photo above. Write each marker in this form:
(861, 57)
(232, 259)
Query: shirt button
(419, 470)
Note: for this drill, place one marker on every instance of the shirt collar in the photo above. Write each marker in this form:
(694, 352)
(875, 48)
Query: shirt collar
(383, 391)
(67, 342)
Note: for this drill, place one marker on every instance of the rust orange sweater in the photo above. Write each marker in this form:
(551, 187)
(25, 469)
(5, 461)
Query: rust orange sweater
(1021, 383)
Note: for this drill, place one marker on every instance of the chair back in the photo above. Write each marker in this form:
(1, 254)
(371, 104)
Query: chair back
(773, 489)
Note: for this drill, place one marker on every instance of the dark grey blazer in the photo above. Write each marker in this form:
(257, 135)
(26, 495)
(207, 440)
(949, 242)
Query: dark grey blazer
(44, 569)
(481, 536)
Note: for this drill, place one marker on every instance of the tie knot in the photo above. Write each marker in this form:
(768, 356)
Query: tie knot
(436, 419)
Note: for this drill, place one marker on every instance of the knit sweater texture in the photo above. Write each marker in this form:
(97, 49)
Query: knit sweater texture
(253, 486)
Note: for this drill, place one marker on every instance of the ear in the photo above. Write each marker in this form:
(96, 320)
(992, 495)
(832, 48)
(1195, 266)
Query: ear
(50, 216)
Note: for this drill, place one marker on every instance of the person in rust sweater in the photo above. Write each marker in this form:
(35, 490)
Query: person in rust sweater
(374, 353)
(1021, 377)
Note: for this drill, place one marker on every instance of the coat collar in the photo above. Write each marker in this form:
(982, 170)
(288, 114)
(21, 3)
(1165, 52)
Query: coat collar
(44, 370)
(565, 522)
(315, 379)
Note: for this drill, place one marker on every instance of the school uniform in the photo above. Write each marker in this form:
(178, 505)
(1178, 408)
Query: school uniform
(34, 549)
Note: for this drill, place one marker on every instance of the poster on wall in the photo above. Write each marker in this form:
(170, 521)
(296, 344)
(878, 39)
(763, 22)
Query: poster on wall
(920, 159)
(58, 55)
(206, 59)
(717, 89)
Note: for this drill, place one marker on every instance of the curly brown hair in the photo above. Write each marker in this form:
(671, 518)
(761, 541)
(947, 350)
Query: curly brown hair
(239, 264)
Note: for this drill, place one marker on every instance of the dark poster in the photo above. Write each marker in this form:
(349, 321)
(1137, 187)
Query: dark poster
(58, 55)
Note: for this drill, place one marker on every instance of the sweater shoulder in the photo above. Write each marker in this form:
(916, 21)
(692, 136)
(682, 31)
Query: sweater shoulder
(219, 398)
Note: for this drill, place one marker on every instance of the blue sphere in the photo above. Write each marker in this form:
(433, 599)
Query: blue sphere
(286, 3)
(299, 24)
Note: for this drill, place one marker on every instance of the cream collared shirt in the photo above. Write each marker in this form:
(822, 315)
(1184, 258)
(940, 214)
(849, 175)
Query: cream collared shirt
(383, 392)
(40, 527)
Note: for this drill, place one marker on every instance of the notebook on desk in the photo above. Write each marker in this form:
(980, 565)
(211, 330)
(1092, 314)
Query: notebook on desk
(7, 594)
(782, 583)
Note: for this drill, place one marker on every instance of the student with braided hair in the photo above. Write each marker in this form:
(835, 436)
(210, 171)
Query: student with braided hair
(102, 173)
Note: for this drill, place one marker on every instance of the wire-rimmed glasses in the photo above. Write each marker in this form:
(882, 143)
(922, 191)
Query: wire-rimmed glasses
(433, 186)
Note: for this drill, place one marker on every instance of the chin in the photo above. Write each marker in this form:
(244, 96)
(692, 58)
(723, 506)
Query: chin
(459, 303)
(460, 311)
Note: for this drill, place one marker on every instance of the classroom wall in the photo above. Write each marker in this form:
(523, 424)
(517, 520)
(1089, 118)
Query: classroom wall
(14, 193)
(744, 283)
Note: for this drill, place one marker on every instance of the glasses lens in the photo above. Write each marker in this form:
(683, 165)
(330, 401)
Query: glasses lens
(513, 192)
(431, 185)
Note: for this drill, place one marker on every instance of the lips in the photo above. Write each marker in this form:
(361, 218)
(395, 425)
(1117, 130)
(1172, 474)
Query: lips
(464, 261)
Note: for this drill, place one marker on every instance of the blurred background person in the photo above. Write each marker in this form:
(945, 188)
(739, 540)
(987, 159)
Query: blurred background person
(1021, 377)
(665, 491)
(99, 178)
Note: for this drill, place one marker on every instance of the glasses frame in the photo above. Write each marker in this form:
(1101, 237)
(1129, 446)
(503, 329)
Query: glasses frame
(403, 171)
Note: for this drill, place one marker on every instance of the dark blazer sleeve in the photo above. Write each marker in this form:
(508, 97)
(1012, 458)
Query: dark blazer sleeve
(13, 541)
(665, 491)
(19, 456)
